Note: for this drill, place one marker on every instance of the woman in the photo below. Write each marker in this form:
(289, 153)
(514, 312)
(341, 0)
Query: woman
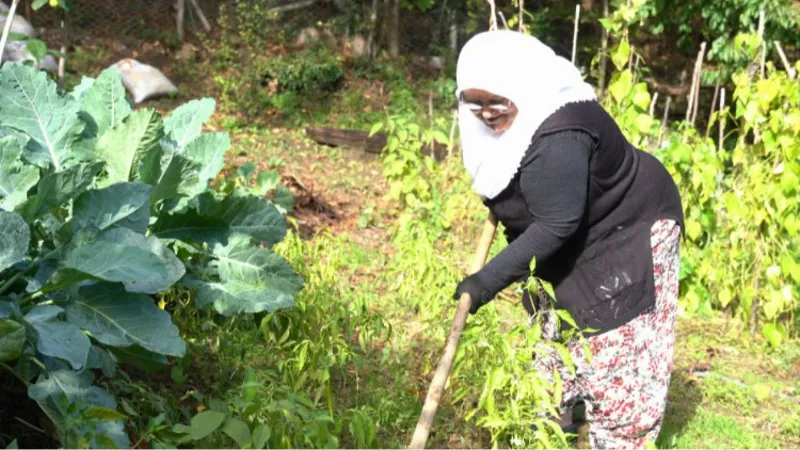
(601, 218)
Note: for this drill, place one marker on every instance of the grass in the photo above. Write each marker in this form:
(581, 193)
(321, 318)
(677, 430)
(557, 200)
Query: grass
(703, 412)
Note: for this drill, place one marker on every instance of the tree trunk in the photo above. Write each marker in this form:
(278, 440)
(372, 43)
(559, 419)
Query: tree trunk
(373, 22)
(180, 15)
(394, 29)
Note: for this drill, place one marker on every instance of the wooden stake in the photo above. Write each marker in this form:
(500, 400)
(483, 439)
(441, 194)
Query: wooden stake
(664, 121)
(492, 16)
(199, 11)
(62, 59)
(503, 19)
(521, 15)
(451, 144)
(721, 117)
(698, 66)
(575, 32)
(653, 104)
(7, 29)
(789, 69)
(713, 106)
(666, 113)
(430, 114)
(436, 389)
(761, 23)
(601, 78)
(179, 16)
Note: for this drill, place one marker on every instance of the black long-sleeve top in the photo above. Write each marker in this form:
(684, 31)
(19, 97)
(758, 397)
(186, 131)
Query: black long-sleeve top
(554, 180)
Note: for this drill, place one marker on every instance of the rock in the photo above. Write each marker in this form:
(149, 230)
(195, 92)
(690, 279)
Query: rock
(437, 63)
(359, 45)
(17, 51)
(19, 25)
(307, 36)
(188, 52)
(310, 36)
(142, 81)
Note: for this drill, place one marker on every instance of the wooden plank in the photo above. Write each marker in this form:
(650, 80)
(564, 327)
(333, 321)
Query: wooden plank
(337, 137)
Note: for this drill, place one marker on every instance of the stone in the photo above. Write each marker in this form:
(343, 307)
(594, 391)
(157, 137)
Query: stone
(17, 51)
(19, 25)
(359, 45)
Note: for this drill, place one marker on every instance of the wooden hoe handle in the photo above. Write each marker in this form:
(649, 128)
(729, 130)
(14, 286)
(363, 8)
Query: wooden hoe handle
(436, 389)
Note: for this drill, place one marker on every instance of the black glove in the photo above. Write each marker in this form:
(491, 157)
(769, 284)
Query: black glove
(477, 290)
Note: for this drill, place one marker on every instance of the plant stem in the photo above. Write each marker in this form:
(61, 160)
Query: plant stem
(7, 28)
(30, 425)
(11, 370)
(10, 282)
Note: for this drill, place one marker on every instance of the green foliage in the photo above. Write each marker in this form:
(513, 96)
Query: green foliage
(717, 22)
(407, 168)
(105, 209)
(288, 84)
(739, 199)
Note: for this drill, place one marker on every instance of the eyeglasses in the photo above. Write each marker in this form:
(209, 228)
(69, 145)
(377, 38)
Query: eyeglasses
(495, 108)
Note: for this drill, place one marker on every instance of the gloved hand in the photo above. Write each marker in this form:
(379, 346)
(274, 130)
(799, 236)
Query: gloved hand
(477, 289)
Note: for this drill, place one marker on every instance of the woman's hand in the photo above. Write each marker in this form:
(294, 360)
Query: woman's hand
(477, 290)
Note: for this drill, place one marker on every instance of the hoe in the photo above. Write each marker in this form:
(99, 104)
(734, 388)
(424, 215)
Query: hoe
(436, 389)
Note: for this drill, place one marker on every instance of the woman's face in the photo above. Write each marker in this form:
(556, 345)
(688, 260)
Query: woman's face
(496, 112)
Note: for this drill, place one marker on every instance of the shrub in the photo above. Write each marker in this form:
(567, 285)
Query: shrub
(102, 210)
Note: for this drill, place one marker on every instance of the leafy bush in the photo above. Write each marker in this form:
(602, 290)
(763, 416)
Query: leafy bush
(102, 210)
(742, 254)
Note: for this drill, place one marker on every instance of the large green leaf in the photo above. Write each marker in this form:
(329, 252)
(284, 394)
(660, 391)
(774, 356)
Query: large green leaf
(32, 105)
(118, 318)
(241, 261)
(125, 205)
(205, 423)
(186, 122)
(124, 147)
(12, 339)
(213, 220)
(78, 389)
(15, 237)
(16, 178)
(142, 264)
(208, 150)
(58, 188)
(251, 280)
(105, 100)
(172, 174)
(237, 297)
(80, 90)
(57, 338)
(139, 357)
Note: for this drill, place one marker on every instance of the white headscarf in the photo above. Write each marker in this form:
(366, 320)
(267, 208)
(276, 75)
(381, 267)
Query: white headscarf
(526, 71)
